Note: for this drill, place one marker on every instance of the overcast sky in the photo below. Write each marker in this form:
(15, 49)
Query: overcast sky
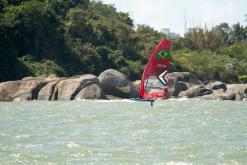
(172, 13)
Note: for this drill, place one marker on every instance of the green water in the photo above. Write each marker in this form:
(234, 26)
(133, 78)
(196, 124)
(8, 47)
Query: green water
(173, 132)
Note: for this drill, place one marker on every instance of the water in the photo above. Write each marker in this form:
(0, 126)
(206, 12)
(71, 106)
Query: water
(123, 132)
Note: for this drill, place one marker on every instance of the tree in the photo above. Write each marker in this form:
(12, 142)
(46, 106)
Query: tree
(77, 26)
(237, 33)
(29, 26)
(3, 4)
(218, 36)
(147, 38)
(197, 39)
(61, 7)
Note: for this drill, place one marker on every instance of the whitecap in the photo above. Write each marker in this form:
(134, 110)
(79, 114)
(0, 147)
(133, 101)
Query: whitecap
(33, 146)
(22, 136)
(72, 145)
(15, 155)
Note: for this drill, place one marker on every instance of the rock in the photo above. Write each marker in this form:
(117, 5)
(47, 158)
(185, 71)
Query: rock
(111, 97)
(47, 91)
(234, 92)
(137, 84)
(22, 89)
(219, 96)
(195, 91)
(117, 84)
(220, 90)
(179, 87)
(92, 91)
(217, 85)
(68, 89)
(181, 81)
(239, 90)
(185, 77)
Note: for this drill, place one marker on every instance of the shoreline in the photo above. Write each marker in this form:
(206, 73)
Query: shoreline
(112, 84)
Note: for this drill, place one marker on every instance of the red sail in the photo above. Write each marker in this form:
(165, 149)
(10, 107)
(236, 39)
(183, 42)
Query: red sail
(153, 82)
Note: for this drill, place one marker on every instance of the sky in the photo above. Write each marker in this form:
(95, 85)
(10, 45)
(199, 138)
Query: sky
(173, 14)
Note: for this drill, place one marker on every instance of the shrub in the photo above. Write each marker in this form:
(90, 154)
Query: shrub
(42, 68)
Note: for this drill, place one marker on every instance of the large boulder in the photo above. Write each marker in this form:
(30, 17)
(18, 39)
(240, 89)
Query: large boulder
(234, 92)
(181, 81)
(185, 77)
(218, 85)
(22, 89)
(219, 96)
(239, 90)
(179, 87)
(117, 84)
(68, 89)
(195, 91)
(91, 91)
(47, 91)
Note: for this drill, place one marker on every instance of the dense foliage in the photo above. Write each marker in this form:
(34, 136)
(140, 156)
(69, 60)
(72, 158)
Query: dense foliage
(70, 37)
(216, 54)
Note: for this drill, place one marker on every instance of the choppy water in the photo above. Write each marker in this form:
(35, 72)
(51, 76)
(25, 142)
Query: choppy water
(123, 132)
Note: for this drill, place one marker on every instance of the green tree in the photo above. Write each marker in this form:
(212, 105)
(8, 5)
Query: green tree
(61, 7)
(197, 38)
(147, 38)
(237, 34)
(3, 4)
(220, 36)
(29, 26)
(77, 26)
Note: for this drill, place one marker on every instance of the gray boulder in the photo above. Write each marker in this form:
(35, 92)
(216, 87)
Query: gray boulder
(117, 84)
(68, 89)
(47, 91)
(219, 96)
(234, 92)
(137, 84)
(22, 89)
(181, 81)
(195, 91)
(92, 91)
(217, 86)
(185, 77)
(239, 90)
(179, 87)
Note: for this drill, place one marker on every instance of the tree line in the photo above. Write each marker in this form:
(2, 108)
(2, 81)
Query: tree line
(216, 54)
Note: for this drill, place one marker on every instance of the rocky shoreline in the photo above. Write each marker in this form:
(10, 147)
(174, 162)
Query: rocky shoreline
(112, 84)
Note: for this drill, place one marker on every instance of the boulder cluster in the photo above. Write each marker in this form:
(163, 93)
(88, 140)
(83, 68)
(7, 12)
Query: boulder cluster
(112, 84)
(188, 85)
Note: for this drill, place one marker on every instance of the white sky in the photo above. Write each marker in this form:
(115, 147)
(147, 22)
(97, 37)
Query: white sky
(172, 13)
